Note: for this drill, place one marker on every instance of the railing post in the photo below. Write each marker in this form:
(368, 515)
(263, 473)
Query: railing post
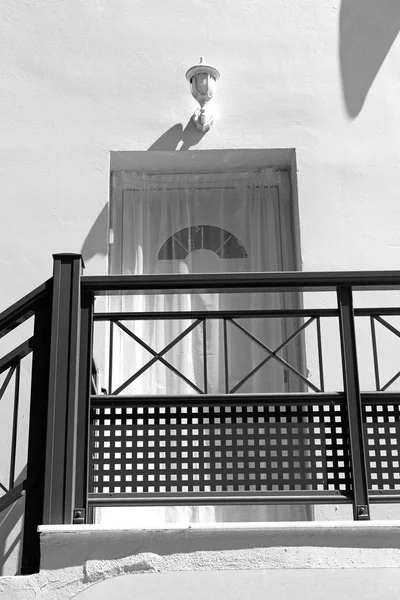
(354, 409)
(84, 390)
(61, 458)
(35, 492)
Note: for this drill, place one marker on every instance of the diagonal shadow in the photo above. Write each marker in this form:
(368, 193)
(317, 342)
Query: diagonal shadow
(189, 136)
(169, 140)
(367, 30)
(96, 239)
(95, 242)
(10, 527)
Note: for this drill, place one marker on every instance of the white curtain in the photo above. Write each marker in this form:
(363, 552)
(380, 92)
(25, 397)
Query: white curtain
(205, 223)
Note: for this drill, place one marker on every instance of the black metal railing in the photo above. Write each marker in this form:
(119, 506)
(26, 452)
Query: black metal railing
(236, 320)
(218, 449)
(261, 447)
(293, 443)
(30, 481)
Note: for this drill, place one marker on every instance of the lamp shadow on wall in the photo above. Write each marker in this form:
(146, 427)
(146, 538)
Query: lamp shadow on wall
(96, 240)
(170, 140)
(367, 30)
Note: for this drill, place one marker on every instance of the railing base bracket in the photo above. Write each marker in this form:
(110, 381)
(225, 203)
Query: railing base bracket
(79, 516)
(362, 512)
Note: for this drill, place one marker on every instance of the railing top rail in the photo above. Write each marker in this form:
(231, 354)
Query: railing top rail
(294, 398)
(243, 314)
(278, 281)
(23, 309)
(217, 314)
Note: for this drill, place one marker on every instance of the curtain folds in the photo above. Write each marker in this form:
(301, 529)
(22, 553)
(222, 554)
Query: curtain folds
(206, 223)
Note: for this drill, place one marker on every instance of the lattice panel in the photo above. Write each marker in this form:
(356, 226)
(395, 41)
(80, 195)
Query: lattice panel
(382, 440)
(218, 448)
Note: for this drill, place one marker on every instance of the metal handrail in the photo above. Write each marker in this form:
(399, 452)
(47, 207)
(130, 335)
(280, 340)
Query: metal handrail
(20, 352)
(277, 281)
(23, 309)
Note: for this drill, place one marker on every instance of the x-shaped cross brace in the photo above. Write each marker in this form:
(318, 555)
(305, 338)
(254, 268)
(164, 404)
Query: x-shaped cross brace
(273, 354)
(157, 356)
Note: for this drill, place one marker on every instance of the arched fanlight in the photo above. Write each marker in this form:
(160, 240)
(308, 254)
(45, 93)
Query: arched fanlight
(202, 237)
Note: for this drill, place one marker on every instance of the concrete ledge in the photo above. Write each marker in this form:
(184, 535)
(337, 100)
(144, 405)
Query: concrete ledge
(229, 546)
(302, 560)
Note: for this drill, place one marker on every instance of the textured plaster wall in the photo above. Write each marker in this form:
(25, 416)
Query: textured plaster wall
(85, 77)
(281, 559)
(81, 78)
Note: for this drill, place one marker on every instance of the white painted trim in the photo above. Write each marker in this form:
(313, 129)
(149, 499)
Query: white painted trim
(202, 161)
(306, 526)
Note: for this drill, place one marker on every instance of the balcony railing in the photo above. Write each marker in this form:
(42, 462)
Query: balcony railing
(305, 444)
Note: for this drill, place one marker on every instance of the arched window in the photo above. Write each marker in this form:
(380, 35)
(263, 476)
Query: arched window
(202, 237)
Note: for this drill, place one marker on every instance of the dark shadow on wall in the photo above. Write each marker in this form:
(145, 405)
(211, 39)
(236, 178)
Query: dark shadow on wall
(190, 136)
(11, 524)
(96, 240)
(169, 140)
(368, 29)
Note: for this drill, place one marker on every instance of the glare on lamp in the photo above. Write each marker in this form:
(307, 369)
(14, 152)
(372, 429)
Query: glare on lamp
(203, 79)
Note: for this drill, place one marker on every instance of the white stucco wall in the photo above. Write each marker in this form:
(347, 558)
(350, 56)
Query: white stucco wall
(82, 78)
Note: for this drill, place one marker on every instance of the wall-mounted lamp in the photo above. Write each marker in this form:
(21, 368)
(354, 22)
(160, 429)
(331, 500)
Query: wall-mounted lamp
(203, 79)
